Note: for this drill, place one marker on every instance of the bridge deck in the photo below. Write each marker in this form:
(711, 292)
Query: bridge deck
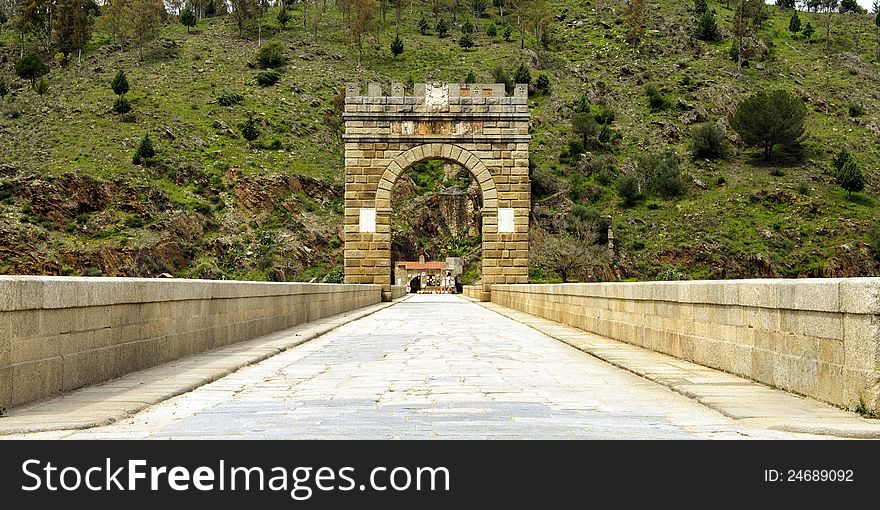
(431, 366)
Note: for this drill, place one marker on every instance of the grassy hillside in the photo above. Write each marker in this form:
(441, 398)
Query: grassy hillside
(213, 205)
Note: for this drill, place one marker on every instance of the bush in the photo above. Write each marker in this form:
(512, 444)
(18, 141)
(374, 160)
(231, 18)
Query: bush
(271, 56)
(249, 130)
(542, 84)
(466, 41)
(708, 141)
(874, 239)
(667, 177)
(267, 78)
(119, 83)
(499, 75)
(121, 105)
(491, 31)
(145, 151)
(522, 75)
(629, 190)
(470, 78)
(229, 98)
(4, 87)
(42, 86)
(442, 28)
(656, 100)
(701, 6)
(605, 116)
(30, 67)
(424, 26)
(856, 110)
(585, 126)
(508, 33)
(794, 23)
(543, 183)
(841, 159)
(808, 31)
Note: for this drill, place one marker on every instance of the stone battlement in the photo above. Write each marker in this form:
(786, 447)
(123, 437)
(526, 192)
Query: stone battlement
(424, 92)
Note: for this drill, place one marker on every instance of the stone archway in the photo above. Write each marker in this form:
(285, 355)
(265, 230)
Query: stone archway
(476, 126)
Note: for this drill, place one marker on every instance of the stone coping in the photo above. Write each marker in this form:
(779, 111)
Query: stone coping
(46, 292)
(842, 295)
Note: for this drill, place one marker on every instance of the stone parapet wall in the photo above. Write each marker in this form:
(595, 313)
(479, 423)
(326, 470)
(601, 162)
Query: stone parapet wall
(398, 291)
(62, 333)
(815, 337)
(475, 292)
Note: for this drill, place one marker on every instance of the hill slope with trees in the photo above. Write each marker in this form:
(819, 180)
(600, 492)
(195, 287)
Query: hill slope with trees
(202, 139)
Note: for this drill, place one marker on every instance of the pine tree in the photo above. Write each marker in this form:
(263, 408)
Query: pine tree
(249, 131)
(701, 6)
(766, 119)
(188, 18)
(809, 30)
(119, 83)
(522, 75)
(144, 152)
(707, 27)
(424, 26)
(794, 24)
(442, 28)
(397, 46)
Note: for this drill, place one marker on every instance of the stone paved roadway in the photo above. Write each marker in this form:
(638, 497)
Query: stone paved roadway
(430, 367)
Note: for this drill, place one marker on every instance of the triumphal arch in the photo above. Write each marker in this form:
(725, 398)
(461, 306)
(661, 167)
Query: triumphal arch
(478, 126)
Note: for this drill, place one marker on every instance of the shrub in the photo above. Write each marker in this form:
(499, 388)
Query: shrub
(794, 23)
(701, 6)
(145, 151)
(442, 28)
(249, 130)
(542, 84)
(4, 87)
(423, 26)
(499, 75)
(522, 75)
(841, 159)
(605, 116)
(470, 78)
(466, 41)
(629, 190)
(271, 56)
(267, 78)
(808, 31)
(121, 105)
(491, 31)
(229, 98)
(656, 100)
(856, 110)
(708, 141)
(508, 33)
(30, 67)
(667, 177)
(874, 239)
(42, 86)
(119, 83)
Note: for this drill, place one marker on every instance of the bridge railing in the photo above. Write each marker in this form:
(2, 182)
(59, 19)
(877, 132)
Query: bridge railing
(62, 333)
(815, 337)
